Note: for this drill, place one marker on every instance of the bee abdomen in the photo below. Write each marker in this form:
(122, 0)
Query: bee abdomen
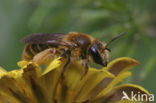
(31, 50)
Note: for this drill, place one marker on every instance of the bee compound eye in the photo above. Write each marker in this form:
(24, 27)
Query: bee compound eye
(96, 56)
(76, 45)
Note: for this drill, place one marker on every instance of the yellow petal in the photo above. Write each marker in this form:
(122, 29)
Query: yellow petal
(13, 74)
(133, 87)
(22, 63)
(6, 98)
(30, 85)
(51, 80)
(2, 70)
(35, 85)
(73, 74)
(115, 81)
(126, 101)
(24, 85)
(53, 65)
(116, 94)
(14, 88)
(90, 83)
(118, 67)
(121, 65)
(128, 88)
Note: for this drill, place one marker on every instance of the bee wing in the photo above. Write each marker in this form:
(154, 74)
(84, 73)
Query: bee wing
(40, 38)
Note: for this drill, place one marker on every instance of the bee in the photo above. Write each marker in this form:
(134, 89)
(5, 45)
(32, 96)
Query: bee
(41, 48)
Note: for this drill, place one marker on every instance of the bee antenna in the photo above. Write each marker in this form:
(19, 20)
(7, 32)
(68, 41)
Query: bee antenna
(121, 34)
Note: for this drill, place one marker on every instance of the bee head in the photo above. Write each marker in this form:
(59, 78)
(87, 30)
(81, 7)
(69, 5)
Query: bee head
(98, 53)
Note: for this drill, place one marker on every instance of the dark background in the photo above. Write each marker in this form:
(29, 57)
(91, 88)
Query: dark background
(102, 19)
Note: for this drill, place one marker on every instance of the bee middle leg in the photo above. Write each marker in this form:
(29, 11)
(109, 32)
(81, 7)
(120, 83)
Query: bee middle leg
(64, 68)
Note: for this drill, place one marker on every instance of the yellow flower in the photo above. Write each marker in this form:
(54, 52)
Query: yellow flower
(30, 85)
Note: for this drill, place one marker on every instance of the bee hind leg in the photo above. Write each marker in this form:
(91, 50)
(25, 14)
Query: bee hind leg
(44, 57)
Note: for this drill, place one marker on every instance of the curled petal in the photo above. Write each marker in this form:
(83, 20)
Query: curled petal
(115, 81)
(121, 65)
(123, 93)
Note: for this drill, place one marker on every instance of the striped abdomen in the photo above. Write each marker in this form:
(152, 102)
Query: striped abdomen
(31, 50)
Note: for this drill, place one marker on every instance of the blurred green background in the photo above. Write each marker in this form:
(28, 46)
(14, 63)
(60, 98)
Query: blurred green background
(102, 19)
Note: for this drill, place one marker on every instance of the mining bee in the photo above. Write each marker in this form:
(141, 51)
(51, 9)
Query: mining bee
(42, 48)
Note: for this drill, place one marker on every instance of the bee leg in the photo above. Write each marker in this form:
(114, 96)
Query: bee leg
(67, 54)
(85, 64)
(43, 57)
(64, 68)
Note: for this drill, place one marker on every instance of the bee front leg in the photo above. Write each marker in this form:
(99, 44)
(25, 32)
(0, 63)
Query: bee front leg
(85, 65)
